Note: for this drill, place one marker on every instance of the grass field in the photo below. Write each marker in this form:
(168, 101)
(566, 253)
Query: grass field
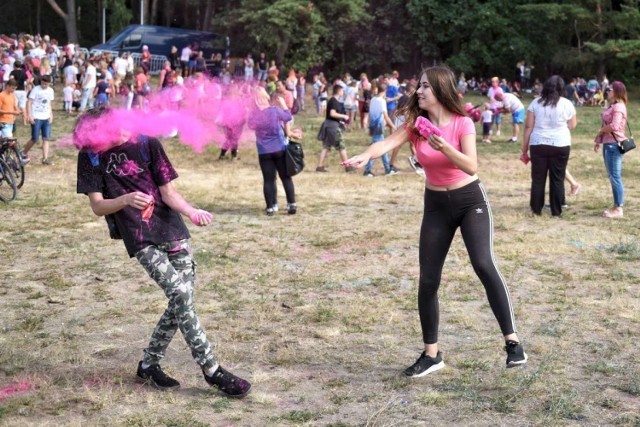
(319, 309)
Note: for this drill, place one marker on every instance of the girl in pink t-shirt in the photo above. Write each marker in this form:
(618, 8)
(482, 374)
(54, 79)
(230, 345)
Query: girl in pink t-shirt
(454, 198)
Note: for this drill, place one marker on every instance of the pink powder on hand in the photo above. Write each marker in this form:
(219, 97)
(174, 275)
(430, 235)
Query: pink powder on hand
(426, 128)
(148, 210)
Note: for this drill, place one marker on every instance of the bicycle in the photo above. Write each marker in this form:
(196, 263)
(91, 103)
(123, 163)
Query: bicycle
(10, 153)
(8, 190)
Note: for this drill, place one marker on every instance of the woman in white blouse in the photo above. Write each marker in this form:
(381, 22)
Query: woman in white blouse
(547, 138)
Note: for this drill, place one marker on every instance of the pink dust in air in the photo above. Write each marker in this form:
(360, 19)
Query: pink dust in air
(199, 111)
(13, 389)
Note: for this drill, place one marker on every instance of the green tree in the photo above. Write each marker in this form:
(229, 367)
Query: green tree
(290, 29)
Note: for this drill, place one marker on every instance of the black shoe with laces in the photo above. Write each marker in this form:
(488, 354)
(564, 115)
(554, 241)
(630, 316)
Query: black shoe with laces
(154, 376)
(228, 384)
(424, 365)
(515, 354)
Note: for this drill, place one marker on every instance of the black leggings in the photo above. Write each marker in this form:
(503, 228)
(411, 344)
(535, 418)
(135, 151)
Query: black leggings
(269, 164)
(445, 211)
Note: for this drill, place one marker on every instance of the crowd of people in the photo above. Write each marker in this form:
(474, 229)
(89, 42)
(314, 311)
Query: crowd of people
(147, 213)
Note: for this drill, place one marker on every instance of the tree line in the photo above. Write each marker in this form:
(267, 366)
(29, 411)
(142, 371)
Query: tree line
(478, 37)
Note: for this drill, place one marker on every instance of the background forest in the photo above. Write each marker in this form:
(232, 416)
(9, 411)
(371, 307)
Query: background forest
(478, 37)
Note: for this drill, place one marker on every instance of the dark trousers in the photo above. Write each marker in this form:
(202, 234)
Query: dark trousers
(552, 161)
(270, 164)
(466, 208)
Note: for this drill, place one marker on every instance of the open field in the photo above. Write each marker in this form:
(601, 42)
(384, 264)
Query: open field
(319, 309)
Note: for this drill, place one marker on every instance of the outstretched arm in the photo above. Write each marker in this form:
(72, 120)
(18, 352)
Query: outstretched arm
(376, 150)
(175, 201)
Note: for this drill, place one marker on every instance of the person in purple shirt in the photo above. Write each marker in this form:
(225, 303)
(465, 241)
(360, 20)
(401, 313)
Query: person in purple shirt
(269, 123)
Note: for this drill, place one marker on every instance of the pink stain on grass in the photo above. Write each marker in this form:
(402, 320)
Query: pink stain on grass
(199, 111)
(327, 257)
(14, 389)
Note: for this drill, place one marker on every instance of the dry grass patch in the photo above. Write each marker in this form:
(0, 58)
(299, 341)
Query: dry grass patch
(319, 309)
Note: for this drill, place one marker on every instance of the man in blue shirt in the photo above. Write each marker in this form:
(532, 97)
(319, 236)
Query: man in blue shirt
(392, 96)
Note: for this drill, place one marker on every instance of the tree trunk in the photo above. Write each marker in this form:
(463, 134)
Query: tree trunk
(69, 18)
(282, 50)
(185, 14)
(600, 39)
(99, 5)
(154, 12)
(38, 16)
(208, 16)
(168, 12)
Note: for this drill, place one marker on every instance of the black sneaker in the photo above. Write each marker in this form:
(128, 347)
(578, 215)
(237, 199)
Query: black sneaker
(424, 365)
(228, 384)
(515, 354)
(292, 208)
(154, 376)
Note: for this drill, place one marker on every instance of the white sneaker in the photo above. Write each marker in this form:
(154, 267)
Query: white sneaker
(498, 133)
(275, 208)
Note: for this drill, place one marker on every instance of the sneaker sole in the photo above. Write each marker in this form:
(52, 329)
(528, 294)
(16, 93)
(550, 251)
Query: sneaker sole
(433, 368)
(513, 364)
(149, 381)
(235, 396)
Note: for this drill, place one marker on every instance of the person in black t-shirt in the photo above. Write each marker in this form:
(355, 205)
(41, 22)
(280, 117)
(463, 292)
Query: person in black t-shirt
(331, 130)
(263, 66)
(131, 183)
(20, 76)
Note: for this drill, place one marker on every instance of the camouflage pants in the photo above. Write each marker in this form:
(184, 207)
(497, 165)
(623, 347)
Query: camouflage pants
(172, 266)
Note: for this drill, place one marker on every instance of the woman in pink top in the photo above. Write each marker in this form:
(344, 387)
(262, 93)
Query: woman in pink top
(454, 198)
(614, 120)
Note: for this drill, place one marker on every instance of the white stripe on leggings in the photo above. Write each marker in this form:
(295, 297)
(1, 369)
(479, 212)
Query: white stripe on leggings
(493, 259)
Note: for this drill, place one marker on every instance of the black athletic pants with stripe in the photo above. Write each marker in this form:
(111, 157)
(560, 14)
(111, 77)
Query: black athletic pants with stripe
(444, 211)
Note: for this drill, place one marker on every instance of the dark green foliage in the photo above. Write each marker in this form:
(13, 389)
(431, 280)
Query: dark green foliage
(478, 37)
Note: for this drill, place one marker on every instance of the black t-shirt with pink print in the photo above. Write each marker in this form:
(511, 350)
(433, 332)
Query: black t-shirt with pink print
(134, 166)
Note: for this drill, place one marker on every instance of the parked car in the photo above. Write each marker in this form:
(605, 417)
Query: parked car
(160, 39)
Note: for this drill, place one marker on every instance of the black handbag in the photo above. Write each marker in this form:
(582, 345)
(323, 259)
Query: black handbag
(294, 158)
(628, 144)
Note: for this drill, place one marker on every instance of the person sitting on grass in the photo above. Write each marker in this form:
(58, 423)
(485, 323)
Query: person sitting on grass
(131, 182)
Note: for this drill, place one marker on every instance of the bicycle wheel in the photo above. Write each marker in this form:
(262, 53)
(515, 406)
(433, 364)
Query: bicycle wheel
(7, 183)
(13, 159)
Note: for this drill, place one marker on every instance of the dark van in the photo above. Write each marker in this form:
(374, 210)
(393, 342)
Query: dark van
(160, 39)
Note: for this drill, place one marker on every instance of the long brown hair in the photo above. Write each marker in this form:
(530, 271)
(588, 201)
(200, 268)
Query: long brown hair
(619, 91)
(444, 87)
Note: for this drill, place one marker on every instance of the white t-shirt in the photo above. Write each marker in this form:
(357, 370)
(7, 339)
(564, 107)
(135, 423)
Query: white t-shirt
(121, 66)
(89, 81)
(494, 103)
(41, 102)
(7, 70)
(377, 106)
(37, 53)
(511, 102)
(68, 93)
(550, 126)
(487, 116)
(186, 52)
(70, 74)
(350, 95)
